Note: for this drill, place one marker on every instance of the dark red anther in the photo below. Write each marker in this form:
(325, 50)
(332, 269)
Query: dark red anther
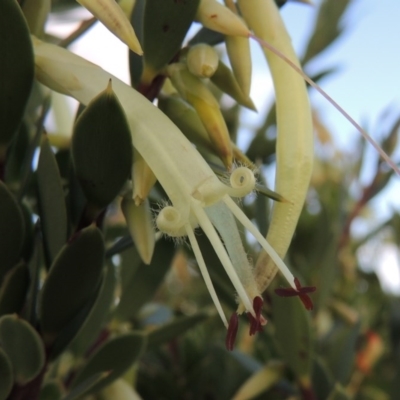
(301, 292)
(232, 331)
(257, 305)
(257, 322)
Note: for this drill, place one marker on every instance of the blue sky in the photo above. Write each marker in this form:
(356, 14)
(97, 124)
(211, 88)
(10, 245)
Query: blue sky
(368, 82)
(368, 54)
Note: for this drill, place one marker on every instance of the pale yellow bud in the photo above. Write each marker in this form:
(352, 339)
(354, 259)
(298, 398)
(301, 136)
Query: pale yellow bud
(219, 18)
(112, 16)
(143, 178)
(140, 224)
(36, 12)
(202, 60)
(238, 49)
(188, 121)
(193, 90)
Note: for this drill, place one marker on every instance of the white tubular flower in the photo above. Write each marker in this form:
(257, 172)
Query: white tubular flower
(198, 197)
(294, 143)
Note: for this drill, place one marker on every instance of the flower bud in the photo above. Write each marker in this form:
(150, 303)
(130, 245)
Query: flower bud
(202, 60)
(219, 18)
(195, 92)
(112, 16)
(140, 224)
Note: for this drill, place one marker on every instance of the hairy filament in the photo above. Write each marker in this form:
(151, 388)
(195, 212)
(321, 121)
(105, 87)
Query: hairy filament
(225, 223)
(212, 235)
(204, 272)
(242, 218)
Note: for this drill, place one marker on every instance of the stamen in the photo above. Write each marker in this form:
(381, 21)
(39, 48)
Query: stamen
(204, 272)
(257, 322)
(257, 305)
(212, 235)
(299, 291)
(241, 216)
(232, 331)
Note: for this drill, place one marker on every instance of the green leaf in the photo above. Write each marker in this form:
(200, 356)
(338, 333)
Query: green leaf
(23, 346)
(262, 207)
(224, 79)
(13, 290)
(35, 263)
(51, 390)
(136, 61)
(16, 70)
(85, 386)
(98, 314)
(185, 117)
(340, 350)
(69, 332)
(6, 375)
(102, 148)
(116, 355)
(26, 168)
(166, 23)
(205, 35)
(11, 230)
(293, 334)
(73, 279)
(260, 382)
(122, 244)
(27, 244)
(173, 329)
(145, 280)
(327, 28)
(16, 155)
(338, 393)
(322, 379)
(53, 213)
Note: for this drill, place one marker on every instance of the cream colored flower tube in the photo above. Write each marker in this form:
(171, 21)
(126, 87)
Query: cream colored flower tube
(294, 148)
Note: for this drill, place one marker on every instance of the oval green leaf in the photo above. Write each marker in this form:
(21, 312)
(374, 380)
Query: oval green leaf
(293, 334)
(16, 69)
(52, 209)
(51, 390)
(85, 386)
(173, 329)
(117, 356)
(98, 314)
(166, 23)
(23, 346)
(340, 357)
(6, 375)
(16, 155)
(73, 280)
(224, 79)
(11, 230)
(136, 61)
(145, 280)
(102, 148)
(13, 290)
(339, 393)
